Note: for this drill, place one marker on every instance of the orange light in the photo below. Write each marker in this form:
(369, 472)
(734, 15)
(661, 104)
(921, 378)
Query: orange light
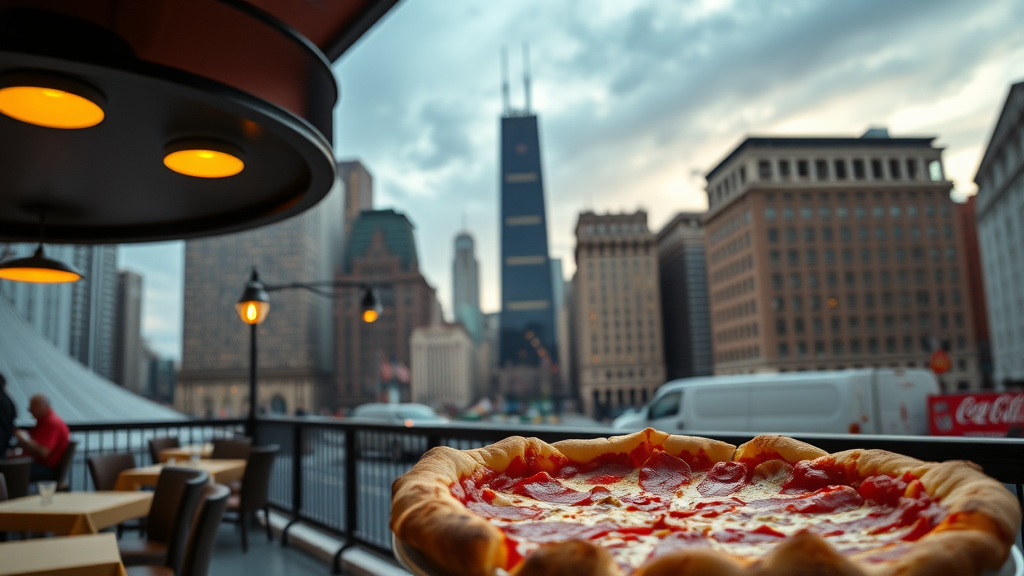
(49, 107)
(832, 302)
(253, 312)
(203, 163)
(39, 275)
(370, 316)
(408, 423)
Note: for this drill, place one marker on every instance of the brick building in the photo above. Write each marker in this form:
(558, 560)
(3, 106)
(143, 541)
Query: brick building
(618, 332)
(831, 253)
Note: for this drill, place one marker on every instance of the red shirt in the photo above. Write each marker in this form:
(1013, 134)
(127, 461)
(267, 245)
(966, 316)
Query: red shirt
(52, 432)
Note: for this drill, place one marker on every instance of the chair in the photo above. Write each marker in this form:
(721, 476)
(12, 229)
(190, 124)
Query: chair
(158, 445)
(170, 516)
(17, 472)
(106, 468)
(231, 449)
(254, 494)
(209, 514)
(64, 466)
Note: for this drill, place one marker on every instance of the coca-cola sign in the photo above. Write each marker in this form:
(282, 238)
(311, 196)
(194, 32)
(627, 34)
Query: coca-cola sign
(976, 414)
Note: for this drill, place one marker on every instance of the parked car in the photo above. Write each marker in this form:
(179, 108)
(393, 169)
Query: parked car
(395, 445)
(872, 401)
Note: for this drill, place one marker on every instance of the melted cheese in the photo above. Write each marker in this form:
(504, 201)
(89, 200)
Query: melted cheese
(631, 550)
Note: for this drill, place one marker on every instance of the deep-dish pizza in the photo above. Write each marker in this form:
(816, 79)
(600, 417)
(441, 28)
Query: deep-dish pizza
(652, 504)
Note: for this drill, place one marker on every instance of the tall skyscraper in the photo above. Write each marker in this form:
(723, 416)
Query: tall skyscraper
(618, 312)
(466, 286)
(357, 184)
(129, 355)
(382, 254)
(296, 340)
(528, 335)
(684, 297)
(1000, 212)
(831, 253)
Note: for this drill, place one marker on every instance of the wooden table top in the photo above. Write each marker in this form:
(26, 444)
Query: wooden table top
(221, 472)
(95, 555)
(186, 452)
(73, 513)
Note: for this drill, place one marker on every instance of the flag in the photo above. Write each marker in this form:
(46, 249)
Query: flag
(402, 372)
(386, 370)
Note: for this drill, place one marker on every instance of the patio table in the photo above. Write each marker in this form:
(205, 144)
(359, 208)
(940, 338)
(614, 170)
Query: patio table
(186, 452)
(73, 513)
(95, 555)
(221, 472)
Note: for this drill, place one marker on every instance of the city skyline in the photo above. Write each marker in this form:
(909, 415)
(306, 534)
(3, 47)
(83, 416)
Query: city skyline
(614, 142)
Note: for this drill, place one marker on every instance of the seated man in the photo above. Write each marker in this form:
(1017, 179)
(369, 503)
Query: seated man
(46, 441)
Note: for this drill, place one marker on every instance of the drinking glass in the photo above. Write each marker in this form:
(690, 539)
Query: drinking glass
(46, 490)
(193, 459)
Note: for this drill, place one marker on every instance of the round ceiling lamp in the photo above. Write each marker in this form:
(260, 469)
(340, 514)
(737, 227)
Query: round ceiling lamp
(38, 269)
(50, 101)
(203, 158)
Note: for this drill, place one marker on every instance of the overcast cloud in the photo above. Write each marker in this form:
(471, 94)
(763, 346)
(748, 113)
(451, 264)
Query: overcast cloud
(637, 100)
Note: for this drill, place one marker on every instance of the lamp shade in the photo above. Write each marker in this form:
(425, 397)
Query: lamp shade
(371, 306)
(38, 269)
(254, 305)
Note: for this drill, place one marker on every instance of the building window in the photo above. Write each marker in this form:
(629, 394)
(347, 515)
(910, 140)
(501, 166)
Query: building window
(769, 214)
(911, 168)
(790, 234)
(777, 281)
(801, 349)
(855, 346)
(821, 169)
(862, 234)
(851, 301)
(847, 256)
(840, 166)
(787, 213)
(844, 234)
(836, 324)
(806, 213)
(817, 326)
(809, 234)
(837, 347)
(850, 279)
(812, 279)
(778, 303)
(860, 212)
(826, 233)
(894, 211)
(832, 279)
(773, 234)
(811, 257)
(935, 171)
(869, 300)
(912, 211)
(901, 255)
(858, 169)
(764, 170)
(894, 169)
(798, 303)
(794, 280)
(798, 326)
(883, 255)
(793, 257)
(908, 344)
(890, 345)
(842, 212)
(824, 212)
(802, 169)
(815, 303)
(773, 257)
(955, 297)
(784, 168)
(783, 350)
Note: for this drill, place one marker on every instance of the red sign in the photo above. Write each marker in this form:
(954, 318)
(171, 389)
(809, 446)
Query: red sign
(940, 362)
(975, 414)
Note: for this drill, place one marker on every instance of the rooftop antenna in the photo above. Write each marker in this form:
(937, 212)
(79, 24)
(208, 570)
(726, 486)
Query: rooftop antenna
(504, 80)
(526, 74)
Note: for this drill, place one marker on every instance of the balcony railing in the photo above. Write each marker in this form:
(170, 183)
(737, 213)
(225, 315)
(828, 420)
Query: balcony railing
(316, 482)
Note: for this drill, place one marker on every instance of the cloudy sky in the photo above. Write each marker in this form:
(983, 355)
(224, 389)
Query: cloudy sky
(637, 100)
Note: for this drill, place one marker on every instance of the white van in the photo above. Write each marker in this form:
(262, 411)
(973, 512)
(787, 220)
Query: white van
(869, 401)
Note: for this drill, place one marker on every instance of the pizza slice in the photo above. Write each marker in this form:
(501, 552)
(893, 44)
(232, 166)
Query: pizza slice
(653, 504)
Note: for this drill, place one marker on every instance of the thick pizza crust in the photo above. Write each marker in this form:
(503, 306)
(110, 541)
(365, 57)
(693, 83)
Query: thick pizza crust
(976, 536)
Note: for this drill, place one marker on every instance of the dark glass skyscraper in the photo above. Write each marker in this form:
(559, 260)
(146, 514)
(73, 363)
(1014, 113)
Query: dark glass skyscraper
(528, 333)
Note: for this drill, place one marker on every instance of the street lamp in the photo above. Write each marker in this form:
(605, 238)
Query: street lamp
(253, 307)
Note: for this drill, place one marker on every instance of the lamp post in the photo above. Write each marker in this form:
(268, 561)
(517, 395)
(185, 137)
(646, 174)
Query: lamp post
(254, 306)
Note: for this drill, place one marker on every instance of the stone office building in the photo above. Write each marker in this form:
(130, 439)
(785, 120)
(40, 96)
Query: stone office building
(832, 253)
(619, 350)
(1000, 213)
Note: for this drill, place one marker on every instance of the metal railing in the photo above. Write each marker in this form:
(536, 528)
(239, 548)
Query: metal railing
(336, 475)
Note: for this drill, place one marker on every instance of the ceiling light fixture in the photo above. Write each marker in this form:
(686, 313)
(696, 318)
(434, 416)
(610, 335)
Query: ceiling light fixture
(37, 268)
(204, 158)
(50, 101)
